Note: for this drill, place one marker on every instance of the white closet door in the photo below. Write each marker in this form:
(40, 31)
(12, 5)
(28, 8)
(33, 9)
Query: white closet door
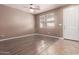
(71, 23)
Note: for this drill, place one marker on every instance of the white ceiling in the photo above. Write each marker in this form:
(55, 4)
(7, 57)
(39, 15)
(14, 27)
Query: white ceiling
(43, 7)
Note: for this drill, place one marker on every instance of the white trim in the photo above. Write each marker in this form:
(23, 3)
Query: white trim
(71, 39)
(17, 37)
(30, 35)
(48, 35)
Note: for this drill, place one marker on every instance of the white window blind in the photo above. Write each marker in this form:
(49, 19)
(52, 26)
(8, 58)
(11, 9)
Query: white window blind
(47, 20)
(71, 22)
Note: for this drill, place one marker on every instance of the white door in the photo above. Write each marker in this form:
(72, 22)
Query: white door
(71, 22)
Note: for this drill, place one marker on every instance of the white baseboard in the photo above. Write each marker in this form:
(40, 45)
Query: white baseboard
(30, 35)
(34, 34)
(72, 39)
(17, 37)
(49, 35)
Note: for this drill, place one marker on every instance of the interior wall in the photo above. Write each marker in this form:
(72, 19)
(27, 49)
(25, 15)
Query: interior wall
(58, 30)
(14, 22)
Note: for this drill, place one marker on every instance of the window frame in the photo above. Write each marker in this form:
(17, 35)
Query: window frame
(44, 20)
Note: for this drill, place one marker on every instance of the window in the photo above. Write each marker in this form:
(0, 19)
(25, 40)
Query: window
(42, 21)
(41, 25)
(50, 22)
(47, 21)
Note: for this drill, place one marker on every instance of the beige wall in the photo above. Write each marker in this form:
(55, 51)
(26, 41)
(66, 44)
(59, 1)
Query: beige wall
(58, 30)
(14, 22)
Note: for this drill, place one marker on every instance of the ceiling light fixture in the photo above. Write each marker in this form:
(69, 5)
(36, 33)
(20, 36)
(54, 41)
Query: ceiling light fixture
(32, 10)
(33, 7)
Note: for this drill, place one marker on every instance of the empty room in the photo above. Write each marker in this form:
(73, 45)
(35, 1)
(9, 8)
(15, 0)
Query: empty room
(39, 29)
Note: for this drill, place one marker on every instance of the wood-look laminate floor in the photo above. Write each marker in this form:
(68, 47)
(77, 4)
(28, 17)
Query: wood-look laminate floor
(38, 45)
